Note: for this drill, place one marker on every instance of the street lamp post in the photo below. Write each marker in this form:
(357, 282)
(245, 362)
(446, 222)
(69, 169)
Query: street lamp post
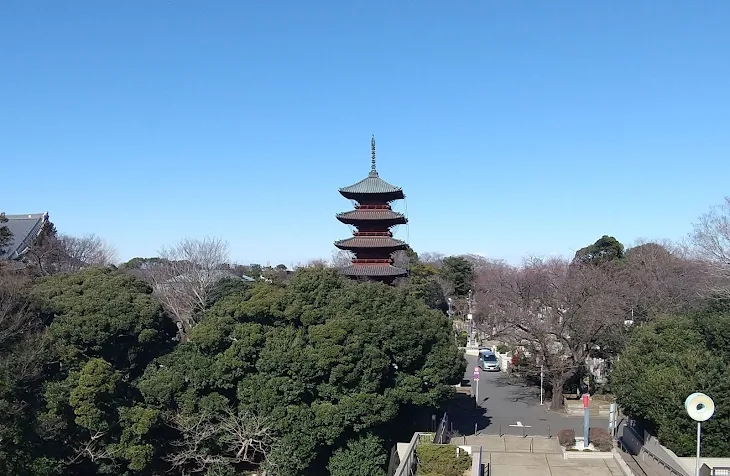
(700, 408)
(470, 318)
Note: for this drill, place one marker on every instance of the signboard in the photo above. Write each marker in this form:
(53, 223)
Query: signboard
(469, 316)
(476, 373)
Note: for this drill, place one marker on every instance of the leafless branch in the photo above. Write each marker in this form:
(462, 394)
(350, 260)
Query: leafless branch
(341, 258)
(209, 440)
(88, 250)
(16, 317)
(556, 311)
(185, 274)
(94, 450)
(711, 242)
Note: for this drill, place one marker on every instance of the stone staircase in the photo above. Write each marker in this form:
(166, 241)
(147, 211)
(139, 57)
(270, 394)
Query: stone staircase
(638, 467)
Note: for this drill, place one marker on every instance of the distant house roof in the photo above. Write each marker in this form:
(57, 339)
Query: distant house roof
(213, 277)
(25, 229)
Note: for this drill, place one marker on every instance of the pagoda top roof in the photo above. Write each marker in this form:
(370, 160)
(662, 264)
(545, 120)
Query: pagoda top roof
(373, 270)
(372, 184)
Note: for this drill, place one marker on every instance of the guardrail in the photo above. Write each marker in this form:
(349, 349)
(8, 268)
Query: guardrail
(442, 435)
(407, 466)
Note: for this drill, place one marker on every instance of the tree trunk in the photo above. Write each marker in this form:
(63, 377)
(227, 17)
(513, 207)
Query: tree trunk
(556, 402)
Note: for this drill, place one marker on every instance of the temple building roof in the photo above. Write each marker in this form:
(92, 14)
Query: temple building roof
(370, 242)
(372, 184)
(373, 270)
(354, 216)
(25, 229)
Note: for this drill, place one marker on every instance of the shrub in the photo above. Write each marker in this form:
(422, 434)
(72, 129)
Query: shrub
(462, 338)
(441, 460)
(566, 437)
(601, 439)
(503, 349)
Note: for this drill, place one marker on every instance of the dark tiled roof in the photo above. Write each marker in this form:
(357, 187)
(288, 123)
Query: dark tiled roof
(364, 215)
(370, 242)
(372, 185)
(25, 228)
(373, 270)
(212, 277)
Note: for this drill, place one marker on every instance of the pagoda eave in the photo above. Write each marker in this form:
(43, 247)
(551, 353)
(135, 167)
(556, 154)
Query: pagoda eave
(359, 222)
(382, 243)
(374, 271)
(366, 197)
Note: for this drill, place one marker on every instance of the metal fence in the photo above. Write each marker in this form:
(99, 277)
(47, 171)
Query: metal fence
(443, 436)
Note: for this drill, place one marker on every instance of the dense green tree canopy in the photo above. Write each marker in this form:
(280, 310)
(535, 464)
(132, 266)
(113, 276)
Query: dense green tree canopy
(668, 360)
(324, 358)
(67, 383)
(606, 248)
(5, 234)
(459, 272)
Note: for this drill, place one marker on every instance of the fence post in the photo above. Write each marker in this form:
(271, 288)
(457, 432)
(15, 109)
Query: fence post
(550, 435)
(523, 432)
(475, 429)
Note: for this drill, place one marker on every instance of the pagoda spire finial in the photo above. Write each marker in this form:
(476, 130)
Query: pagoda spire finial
(373, 171)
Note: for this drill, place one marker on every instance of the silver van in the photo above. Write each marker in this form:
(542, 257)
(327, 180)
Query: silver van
(488, 361)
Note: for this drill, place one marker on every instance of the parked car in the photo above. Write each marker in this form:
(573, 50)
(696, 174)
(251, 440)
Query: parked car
(488, 361)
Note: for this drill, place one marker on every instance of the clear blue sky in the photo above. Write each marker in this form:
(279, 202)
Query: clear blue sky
(513, 127)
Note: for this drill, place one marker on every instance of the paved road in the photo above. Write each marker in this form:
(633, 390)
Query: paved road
(504, 406)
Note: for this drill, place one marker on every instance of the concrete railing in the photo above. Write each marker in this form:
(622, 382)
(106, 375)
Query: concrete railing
(477, 468)
(651, 451)
(408, 464)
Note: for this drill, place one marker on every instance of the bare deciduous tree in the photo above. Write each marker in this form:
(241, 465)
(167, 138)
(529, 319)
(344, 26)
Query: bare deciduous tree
(711, 242)
(663, 279)
(558, 312)
(314, 263)
(88, 250)
(16, 316)
(209, 441)
(401, 259)
(52, 253)
(184, 275)
(341, 258)
(431, 258)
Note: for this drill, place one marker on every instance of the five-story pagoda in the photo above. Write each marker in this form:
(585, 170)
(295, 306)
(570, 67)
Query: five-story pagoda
(373, 243)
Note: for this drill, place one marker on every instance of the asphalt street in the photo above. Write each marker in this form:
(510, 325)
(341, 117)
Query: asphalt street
(513, 409)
